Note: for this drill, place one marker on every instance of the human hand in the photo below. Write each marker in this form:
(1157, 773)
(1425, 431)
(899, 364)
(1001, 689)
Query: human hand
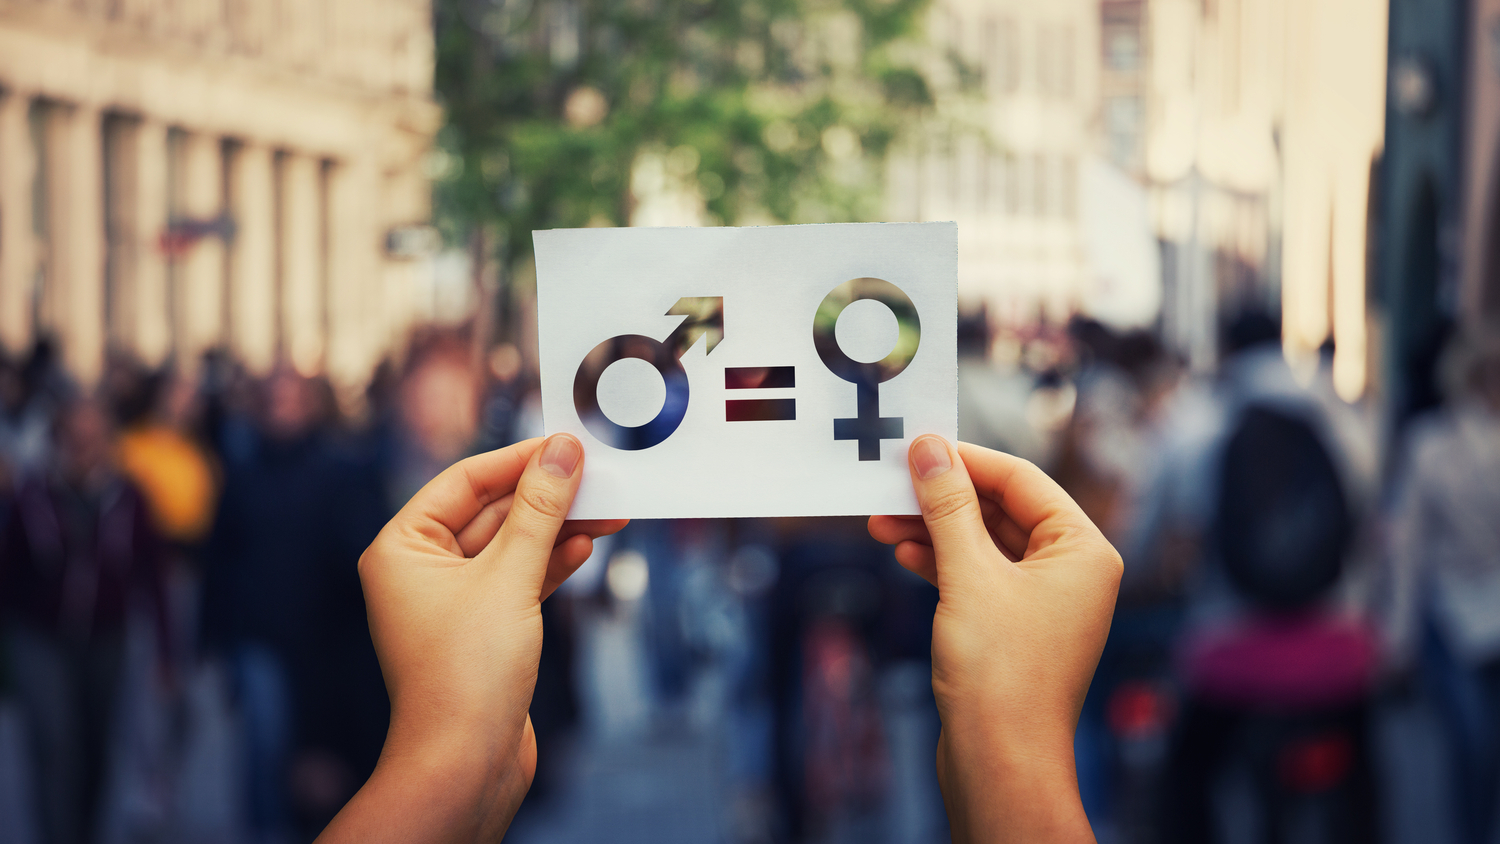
(1026, 590)
(453, 589)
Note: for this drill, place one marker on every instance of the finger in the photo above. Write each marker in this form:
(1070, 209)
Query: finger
(918, 559)
(893, 530)
(950, 507)
(566, 558)
(1007, 534)
(543, 497)
(452, 499)
(1026, 494)
(478, 534)
(593, 528)
(482, 528)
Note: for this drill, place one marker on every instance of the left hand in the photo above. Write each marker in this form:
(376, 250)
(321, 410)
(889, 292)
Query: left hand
(453, 588)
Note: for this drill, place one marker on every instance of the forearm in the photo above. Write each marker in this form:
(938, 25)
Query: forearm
(996, 793)
(438, 791)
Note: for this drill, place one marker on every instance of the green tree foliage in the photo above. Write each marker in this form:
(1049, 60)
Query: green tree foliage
(563, 112)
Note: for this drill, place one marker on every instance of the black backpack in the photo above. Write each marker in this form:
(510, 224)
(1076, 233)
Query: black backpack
(1283, 522)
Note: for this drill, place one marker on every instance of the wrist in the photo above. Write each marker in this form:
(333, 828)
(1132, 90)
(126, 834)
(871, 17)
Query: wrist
(1004, 783)
(467, 780)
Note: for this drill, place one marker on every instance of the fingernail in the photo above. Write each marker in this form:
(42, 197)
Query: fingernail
(560, 456)
(929, 456)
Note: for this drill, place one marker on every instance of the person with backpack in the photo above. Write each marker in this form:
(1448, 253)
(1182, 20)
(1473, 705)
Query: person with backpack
(1276, 672)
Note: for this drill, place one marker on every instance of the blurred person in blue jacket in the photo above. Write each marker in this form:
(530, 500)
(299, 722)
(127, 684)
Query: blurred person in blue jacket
(31, 392)
(282, 605)
(78, 553)
(1445, 566)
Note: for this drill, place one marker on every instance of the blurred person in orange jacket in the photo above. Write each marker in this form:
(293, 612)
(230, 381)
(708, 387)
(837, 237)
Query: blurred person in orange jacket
(158, 452)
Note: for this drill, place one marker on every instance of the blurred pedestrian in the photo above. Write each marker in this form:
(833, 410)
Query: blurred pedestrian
(1445, 556)
(992, 399)
(79, 551)
(437, 415)
(30, 392)
(159, 452)
(12, 401)
(1277, 675)
(1108, 453)
(281, 602)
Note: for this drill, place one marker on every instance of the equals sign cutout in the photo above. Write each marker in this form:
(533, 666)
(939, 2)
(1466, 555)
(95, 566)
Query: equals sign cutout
(759, 378)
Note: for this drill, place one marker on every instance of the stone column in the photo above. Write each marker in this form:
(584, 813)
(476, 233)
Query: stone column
(17, 239)
(357, 300)
(200, 272)
(252, 258)
(73, 303)
(302, 290)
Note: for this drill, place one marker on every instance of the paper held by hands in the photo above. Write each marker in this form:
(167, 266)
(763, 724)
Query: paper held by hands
(735, 372)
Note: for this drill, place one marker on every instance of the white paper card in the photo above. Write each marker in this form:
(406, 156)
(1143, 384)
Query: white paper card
(769, 371)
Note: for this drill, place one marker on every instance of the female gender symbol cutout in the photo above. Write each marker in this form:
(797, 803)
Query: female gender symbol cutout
(867, 427)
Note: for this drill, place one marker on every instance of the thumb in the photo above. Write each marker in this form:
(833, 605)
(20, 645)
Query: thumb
(950, 507)
(543, 497)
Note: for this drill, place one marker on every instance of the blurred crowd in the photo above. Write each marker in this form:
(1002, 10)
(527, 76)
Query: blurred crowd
(185, 655)
(185, 642)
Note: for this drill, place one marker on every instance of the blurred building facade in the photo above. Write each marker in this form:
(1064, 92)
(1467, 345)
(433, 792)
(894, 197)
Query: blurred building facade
(1481, 277)
(1439, 239)
(176, 176)
(1123, 84)
(1005, 162)
(1264, 119)
(1251, 127)
(1423, 196)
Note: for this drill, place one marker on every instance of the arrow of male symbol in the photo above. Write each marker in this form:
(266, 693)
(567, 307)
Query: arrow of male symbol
(705, 315)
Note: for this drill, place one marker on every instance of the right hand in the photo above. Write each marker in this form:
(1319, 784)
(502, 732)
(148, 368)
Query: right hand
(453, 589)
(1026, 590)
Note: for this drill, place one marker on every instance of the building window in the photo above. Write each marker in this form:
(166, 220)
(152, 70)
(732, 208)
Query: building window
(955, 174)
(37, 117)
(1065, 63)
(176, 209)
(994, 196)
(1122, 49)
(1231, 27)
(278, 250)
(119, 231)
(999, 58)
(956, 34)
(1040, 187)
(982, 178)
(1012, 169)
(1068, 188)
(1054, 61)
(1122, 128)
(989, 54)
(1045, 48)
(1010, 56)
